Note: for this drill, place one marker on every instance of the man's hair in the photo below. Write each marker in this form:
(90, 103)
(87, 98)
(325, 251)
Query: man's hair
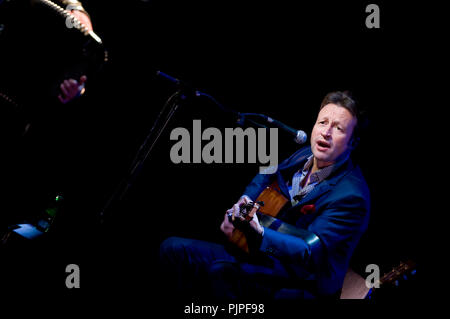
(345, 100)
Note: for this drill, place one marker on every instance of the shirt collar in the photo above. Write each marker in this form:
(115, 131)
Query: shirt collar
(324, 172)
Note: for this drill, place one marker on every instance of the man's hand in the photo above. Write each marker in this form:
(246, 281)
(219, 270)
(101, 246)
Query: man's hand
(84, 19)
(228, 227)
(71, 88)
(254, 223)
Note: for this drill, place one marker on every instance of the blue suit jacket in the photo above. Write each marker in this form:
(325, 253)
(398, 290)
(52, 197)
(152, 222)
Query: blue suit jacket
(341, 213)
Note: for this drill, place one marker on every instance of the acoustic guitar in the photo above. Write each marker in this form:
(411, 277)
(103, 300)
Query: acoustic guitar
(269, 203)
(401, 271)
(355, 286)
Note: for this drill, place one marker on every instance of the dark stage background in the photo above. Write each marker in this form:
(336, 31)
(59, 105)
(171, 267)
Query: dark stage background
(276, 58)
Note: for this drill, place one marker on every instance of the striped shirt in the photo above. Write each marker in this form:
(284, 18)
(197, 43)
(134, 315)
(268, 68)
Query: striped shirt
(296, 190)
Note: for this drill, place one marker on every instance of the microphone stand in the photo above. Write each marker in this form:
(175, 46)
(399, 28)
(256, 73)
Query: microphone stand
(242, 118)
(168, 110)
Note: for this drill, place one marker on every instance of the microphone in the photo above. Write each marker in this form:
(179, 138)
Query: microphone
(299, 136)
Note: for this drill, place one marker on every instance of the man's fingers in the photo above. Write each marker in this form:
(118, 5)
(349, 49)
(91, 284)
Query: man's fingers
(236, 210)
(63, 88)
(71, 88)
(253, 210)
(227, 227)
(244, 200)
(61, 99)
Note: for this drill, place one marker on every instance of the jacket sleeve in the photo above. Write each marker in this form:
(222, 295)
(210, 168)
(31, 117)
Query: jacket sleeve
(341, 222)
(258, 184)
(338, 228)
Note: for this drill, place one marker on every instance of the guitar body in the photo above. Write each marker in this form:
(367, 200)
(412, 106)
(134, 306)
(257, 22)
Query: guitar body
(273, 200)
(273, 203)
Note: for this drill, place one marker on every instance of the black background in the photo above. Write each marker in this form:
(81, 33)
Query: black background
(276, 58)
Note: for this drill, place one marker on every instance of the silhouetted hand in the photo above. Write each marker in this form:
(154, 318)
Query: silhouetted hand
(71, 89)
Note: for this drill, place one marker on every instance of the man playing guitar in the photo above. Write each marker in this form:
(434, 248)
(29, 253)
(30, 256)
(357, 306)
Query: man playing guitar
(299, 247)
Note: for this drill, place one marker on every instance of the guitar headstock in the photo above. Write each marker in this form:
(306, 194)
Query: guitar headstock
(401, 271)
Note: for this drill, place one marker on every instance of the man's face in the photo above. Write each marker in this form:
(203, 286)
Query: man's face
(331, 134)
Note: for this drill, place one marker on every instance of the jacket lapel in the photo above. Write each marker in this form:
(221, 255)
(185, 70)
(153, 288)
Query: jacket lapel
(327, 184)
(319, 190)
(286, 172)
(283, 188)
